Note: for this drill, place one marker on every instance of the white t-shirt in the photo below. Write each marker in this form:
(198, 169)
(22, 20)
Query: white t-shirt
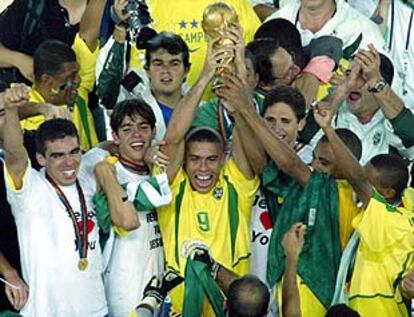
(346, 24)
(397, 41)
(48, 253)
(134, 258)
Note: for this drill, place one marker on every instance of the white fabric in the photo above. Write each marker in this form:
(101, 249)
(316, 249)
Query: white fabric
(376, 136)
(268, 3)
(135, 258)
(48, 254)
(347, 24)
(398, 41)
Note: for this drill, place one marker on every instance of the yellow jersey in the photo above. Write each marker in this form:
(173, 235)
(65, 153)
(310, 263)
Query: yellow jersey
(384, 256)
(183, 17)
(81, 115)
(219, 218)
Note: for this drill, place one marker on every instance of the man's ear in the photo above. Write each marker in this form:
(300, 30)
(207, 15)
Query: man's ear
(115, 138)
(46, 80)
(40, 159)
(301, 124)
(389, 193)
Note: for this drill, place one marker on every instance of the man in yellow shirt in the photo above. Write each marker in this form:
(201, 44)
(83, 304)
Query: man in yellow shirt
(65, 75)
(212, 197)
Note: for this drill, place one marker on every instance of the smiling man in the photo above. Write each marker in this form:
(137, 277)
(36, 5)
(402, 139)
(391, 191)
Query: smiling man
(58, 235)
(136, 253)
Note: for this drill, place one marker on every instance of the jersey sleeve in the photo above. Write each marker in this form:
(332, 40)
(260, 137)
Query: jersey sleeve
(87, 62)
(245, 186)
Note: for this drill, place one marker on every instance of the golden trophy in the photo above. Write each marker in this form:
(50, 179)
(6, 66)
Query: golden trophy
(218, 17)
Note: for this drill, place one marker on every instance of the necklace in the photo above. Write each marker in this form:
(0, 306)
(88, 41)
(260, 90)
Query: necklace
(81, 234)
(136, 167)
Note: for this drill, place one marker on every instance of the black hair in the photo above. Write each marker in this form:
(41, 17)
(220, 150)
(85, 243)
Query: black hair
(350, 139)
(393, 172)
(52, 130)
(170, 42)
(249, 55)
(248, 296)
(204, 134)
(262, 50)
(386, 69)
(288, 36)
(341, 310)
(49, 58)
(288, 95)
(3, 86)
(131, 108)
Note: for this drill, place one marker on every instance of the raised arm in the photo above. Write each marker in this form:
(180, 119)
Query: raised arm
(122, 211)
(90, 23)
(184, 113)
(292, 244)
(16, 156)
(348, 164)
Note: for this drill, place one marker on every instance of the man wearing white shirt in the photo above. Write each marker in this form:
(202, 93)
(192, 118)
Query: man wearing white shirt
(57, 228)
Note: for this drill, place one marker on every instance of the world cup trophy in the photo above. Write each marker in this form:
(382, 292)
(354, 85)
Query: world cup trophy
(218, 17)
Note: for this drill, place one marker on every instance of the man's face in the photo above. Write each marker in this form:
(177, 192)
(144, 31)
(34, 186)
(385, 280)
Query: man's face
(361, 102)
(203, 163)
(64, 86)
(324, 160)
(133, 138)
(283, 122)
(166, 72)
(62, 159)
(284, 71)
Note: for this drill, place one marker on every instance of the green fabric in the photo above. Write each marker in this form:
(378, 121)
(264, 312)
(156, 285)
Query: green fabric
(316, 205)
(233, 210)
(9, 314)
(178, 202)
(350, 50)
(83, 111)
(141, 203)
(198, 285)
(402, 125)
(109, 80)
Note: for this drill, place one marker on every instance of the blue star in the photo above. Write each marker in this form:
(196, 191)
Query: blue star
(194, 24)
(183, 24)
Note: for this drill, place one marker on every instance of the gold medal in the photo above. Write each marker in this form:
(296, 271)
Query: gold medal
(82, 264)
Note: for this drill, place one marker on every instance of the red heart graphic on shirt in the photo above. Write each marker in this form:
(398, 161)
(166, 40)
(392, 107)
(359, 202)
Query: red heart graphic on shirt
(89, 225)
(266, 220)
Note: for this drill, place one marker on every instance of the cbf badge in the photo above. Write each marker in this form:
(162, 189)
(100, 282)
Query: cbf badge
(218, 193)
(377, 138)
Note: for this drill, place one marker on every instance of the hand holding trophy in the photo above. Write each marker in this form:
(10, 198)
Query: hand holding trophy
(218, 18)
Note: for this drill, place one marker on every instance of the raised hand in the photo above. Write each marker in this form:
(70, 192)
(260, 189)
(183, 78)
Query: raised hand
(16, 96)
(370, 61)
(293, 241)
(323, 117)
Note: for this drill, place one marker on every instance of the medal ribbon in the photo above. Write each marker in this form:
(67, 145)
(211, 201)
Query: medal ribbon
(140, 168)
(81, 235)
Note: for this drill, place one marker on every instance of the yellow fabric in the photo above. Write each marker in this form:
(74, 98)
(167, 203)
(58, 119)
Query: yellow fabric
(324, 89)
(347, 211)
(310, 306)
(183, 17)
(87, 61)
(384, 256)
(205, 217)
